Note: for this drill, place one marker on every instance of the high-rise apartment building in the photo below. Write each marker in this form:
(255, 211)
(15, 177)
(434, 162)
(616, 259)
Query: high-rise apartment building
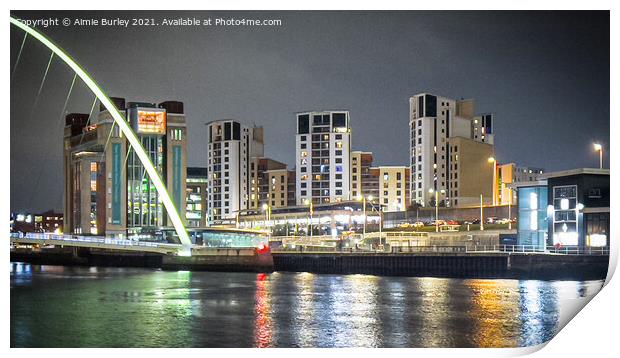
(322, 154)
(107, 189)
(433, 121)
(482, 129)
(231, 147)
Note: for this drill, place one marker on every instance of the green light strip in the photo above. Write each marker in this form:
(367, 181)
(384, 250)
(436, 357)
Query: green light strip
(127, 131)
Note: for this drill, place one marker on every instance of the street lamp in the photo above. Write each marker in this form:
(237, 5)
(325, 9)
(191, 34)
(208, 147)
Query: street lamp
(267, 210)
(309, 202)
(599, 147)
(436, 206)
(481, 215)
(372, 207)
(509, 205)
(363, 200)
(493, 191)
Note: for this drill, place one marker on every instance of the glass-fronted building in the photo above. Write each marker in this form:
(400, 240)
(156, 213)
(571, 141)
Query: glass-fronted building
(532, 216)
(578, 210)
(107, 188)
(565, 209)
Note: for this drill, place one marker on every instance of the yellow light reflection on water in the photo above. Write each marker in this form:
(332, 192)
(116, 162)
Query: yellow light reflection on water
(494, 312)
(434, 308)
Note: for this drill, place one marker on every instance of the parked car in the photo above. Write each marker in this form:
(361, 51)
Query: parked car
(411, 225)
(491, 219)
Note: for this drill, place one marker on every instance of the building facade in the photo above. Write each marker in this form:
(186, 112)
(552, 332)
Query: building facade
(47, 222)
(325, 219)
(361, 179)
(387, 186)
(470, 174)
(261, 185)
(197, 189)
(511, 173)
(393, 187)
(279, 193)
(231, 147)
(107, 189)
(322, 154)
(433, 122)
(565, 209)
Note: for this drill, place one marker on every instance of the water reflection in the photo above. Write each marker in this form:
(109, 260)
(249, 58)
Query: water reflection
(262, 320)
(52, 306)
(302, 328)
(359, 315)
(494, 305)
(433, 305)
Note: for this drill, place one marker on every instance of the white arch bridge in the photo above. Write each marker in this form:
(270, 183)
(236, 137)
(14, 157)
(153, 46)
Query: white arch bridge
(184, 249)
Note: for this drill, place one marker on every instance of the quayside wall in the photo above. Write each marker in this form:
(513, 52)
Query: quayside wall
(454, 265)
(428, 264)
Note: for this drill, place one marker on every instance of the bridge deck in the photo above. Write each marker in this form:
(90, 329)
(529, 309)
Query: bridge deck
(95, 242)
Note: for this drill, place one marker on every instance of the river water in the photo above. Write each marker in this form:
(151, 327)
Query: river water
(56, 306)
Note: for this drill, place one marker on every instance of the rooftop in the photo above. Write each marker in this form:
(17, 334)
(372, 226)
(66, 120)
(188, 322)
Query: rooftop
(565, 173)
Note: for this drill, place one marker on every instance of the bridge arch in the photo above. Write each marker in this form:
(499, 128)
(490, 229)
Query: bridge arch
(172, 211)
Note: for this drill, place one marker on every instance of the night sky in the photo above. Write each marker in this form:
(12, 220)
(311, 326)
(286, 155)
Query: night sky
(545, 75)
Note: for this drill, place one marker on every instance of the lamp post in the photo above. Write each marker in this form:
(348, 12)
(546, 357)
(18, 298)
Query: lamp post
(436, 206)
(363, 200)
(481, 215)
(267, 209)
(493, 191)
(509, 205)
(372, 207)
(599, 147)
(309, 202)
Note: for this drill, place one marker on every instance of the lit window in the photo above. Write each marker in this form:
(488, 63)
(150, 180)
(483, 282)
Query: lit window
(534, 202)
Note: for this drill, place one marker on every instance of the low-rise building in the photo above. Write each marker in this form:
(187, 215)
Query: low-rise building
(565, 209)
(323, 219)
(511, 173)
